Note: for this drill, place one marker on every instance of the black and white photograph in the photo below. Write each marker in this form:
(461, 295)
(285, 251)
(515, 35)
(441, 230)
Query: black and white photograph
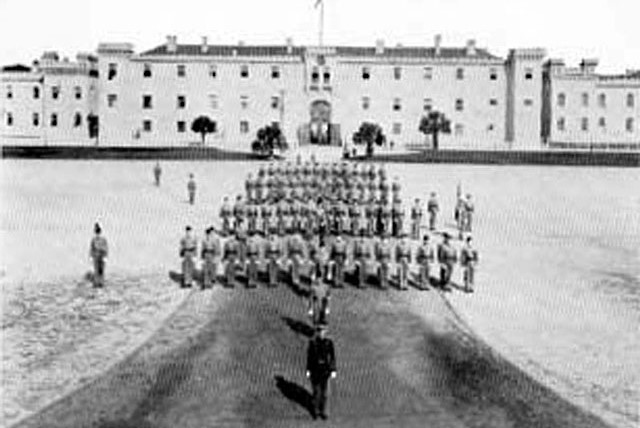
(308, 213)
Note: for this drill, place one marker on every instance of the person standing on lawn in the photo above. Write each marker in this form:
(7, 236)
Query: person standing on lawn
(321, 366)
(98, 252)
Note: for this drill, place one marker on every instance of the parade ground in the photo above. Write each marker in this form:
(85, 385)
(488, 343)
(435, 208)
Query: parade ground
(548, 339)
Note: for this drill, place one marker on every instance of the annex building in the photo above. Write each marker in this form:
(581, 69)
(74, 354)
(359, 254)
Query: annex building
(317, 94)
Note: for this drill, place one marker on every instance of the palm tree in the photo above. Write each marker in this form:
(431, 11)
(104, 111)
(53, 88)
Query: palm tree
(433, 124)
(203, 125)
(370, 134)
(268, 139)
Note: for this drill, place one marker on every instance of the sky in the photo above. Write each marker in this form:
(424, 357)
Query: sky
(568, 29)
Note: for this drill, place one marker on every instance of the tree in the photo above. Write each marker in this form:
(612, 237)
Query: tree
(268, 139)
(203, 125)
(433, 124)
(370, 134)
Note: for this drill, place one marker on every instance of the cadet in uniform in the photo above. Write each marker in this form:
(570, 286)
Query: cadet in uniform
(403, 258)
(191, 189)
(395, 189)
(338, 258)
(361, 254)
(468, 213)
(425, 257)
(295, 253)
(397, 215)
(253, 254)
(98, 252)
(258, 188)
(319, 295)
(225, 213)
(321, 365)
(188, 250)
(157, 172)
(433, 207)
(416, 219)
(383, 255)
(273, 253)
(447, 258)
(248, 187)
(385, 216)
(209, 253)
(267, 211)
(238, 213)
(468, 261)
(231, 252)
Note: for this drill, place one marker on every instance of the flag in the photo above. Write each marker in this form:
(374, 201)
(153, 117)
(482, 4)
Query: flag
(318, 3)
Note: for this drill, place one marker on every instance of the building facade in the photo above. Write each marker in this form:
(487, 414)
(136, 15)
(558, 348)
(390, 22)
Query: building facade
(317, 94)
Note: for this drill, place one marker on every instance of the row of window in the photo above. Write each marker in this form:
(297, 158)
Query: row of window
(53, 119)
(275, 72)
(561, 124)
(602, 100)
(55, 92)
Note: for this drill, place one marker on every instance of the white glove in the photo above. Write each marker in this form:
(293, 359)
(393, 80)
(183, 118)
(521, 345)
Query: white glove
(333, 375)
(308, 374)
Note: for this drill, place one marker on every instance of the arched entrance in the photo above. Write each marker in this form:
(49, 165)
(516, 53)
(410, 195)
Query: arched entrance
(320, 130)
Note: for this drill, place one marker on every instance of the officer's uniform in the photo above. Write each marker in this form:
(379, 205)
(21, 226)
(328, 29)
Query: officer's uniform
(383, 254)
(249, 188)
(361, 254)
(157, 172)
(416, 221)
(403, 258)
(231, 253)
(433, 207)
(425, 257)
(239, 214)
(385, 215)
(318, 300)
(225, 213)
(273, 253)
(370, 213)
(191, 189)
(468, 214)
(210, 252)
(252, 218)
(98, 251)
(258, 189)
(468, 261)
(397, 214)
(447, 258)
(188, 248)
(321, 363)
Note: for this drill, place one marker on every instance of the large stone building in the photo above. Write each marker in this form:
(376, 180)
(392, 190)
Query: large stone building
(317, 94)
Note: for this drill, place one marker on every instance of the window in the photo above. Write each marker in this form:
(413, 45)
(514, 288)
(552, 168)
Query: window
(55, 92)
(396, 128)
(326, 76)
(528, 73)
(181, 126)
(630, 100)
(35, 119)
(244, 101)
(146, 70)
(9, 92)
(9, 119)
(366, 102)
(528, 102)
(213, 71)
(315, 75)
(584, 124)
(77, 120)
(602, 123)
(366, 73)
(77, 92)
(275, 72)
(491, 127)
(397, 104)
(181, 69)
(493, 102)
(459, 104)
(113, 71)
(428, 73)
(53, 120)
(427, 104)
(602, 100)
(275, 102)
(561, 124)
(213, 101)
(181, 101)
(36, 92)
(629, 124)
(244, 127)
(397, 73)
(147, 101)
(585, 99)
(460, 73)
(562, 100)
(244, 71)
(112, 99)
(493, 74)
(146, 125)
(458, 129)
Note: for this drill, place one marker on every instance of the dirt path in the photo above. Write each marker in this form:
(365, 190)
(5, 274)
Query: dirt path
(244, 366)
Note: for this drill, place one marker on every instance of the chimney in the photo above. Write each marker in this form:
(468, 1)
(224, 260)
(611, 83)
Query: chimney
(379, 47)
(588, 65)
(204, 47)
(555, 66)
(172, 44)
(437, 41)
(471, 47)
(240, 43)
(289, 42)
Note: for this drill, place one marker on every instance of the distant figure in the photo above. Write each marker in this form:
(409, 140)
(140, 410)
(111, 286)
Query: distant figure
(273, 253)
(210, 258)
(447, 257)
(253, 259)
(424, 257)
(468, 261)
(433, 207)
(98, 252)
(469, 208)
(157, 172)
(191, 188)
(416, 219)
(321, 366)
(403, 259)
(319, 296)
(188, 250)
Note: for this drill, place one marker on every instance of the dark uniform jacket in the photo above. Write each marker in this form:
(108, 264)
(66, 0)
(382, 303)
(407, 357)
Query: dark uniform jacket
(321, 358)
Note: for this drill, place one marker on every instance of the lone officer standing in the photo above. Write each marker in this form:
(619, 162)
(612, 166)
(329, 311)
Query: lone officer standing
(447, 257)
(98, 252)
(468, 261)
(210, 252)
(188, 249)
(157, 172)
(433, 207)
(191, 189)
(321, 366)
(424, 258)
